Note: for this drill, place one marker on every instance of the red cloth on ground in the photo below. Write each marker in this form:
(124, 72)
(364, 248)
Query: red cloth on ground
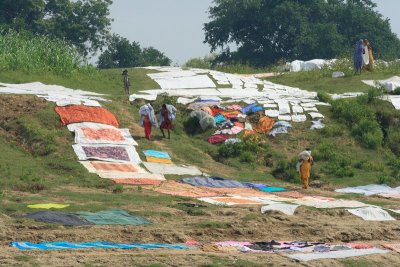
(215, 111)
(76, 113)
(218, 138)
(166, 124)
(147, 127)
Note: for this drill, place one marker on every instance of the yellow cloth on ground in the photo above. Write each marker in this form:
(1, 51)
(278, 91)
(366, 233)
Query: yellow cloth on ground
(158, 160)
(48, 206)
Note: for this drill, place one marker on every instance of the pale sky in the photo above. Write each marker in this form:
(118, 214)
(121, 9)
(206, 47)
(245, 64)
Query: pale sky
(175, 27)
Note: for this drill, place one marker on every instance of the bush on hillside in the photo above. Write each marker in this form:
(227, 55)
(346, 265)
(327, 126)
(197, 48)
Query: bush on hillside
(286, 170)
(369, 133)
(36, 53)
(324, 97)
(393, 140)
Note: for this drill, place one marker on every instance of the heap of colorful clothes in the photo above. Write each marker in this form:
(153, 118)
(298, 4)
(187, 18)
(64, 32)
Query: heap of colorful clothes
(231, 120)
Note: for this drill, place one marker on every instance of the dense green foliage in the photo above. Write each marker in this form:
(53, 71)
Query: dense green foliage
(83, 23)
(268, 31)
(35, 53)
(121, 53)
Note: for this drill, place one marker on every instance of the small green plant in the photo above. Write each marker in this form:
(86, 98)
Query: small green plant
(118, 189)
(247, 157)
(324, 97)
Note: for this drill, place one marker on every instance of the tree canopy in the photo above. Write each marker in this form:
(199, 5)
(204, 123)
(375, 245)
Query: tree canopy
(266, 31)
(121, 53)
(83, 23)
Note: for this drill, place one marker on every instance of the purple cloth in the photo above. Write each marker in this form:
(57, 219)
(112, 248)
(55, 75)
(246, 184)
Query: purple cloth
(117, 153)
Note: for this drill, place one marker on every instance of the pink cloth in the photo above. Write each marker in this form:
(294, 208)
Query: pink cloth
(236, 130)
(218, 138)
(234, 107)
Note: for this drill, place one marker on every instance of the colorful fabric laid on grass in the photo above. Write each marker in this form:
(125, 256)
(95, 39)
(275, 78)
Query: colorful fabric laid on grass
(215, 111)
(105, 135)
(231, 114)
(112, 217)
(64, 218)
(291, 194)
(48, 206)
(137, 181)
(264, 125)
(156, 154)
(87, 245)
(158, 160)
(171, 169)
(74, 114)
(218, 138)
(219, 118)
(170, 187)
(248, 108)
(230, 201)
(272, 189)
(98, 166)
(111, 153)
(336, 254)
(242, 192)
(215, 182)
(371, 189)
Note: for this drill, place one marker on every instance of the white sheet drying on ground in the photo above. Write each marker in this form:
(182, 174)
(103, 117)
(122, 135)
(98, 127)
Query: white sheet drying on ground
(172, 169)
(395, 100)
(199, 81)
(133, 156)
(314, 64)
(336, 254)
(389, 84)
(372, 214)
(111, 174)
(332, 204)
(370, 190)
(124, 136)
(62, 96)
(287, 209)
(148, 97)
(346, 95)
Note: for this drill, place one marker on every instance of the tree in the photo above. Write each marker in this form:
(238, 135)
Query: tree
(83, 23)
(120, 53)
(153, 57)
(266, 31)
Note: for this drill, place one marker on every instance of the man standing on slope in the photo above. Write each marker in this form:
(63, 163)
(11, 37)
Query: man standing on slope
(304, 166)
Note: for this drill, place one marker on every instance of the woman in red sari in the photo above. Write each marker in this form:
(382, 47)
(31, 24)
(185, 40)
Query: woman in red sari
(167, 114)
(147, 119)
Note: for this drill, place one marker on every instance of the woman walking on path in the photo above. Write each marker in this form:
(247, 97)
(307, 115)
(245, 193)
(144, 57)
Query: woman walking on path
(147, 119)
(167, 115)
(304, 166)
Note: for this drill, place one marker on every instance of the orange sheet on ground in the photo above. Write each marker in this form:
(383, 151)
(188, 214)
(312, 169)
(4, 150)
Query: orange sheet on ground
(103, 134)
(184, 190)
(121, 167)
(244, 192)
(238, 201)
(292, 194)
(133, 181)
(76, 113)
(158, 160)
(265, 124)
(230, 114)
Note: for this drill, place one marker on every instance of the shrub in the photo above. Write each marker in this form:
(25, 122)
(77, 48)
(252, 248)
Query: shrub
(393, 140)
(324, 97)
(332, 130)
(351, 111)
(37, 53)
(369, 133)
(247, 157)
(286, 170)
(374, 94)
(118, 189)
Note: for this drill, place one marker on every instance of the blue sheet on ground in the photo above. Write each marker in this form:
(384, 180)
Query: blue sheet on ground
(271, 189)
(156, 154)
(85, 245)
(256, 108)
(216, 182)
(248, 108)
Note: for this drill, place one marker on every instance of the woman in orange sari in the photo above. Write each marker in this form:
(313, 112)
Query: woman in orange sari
(370, 65)
(304, 166)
